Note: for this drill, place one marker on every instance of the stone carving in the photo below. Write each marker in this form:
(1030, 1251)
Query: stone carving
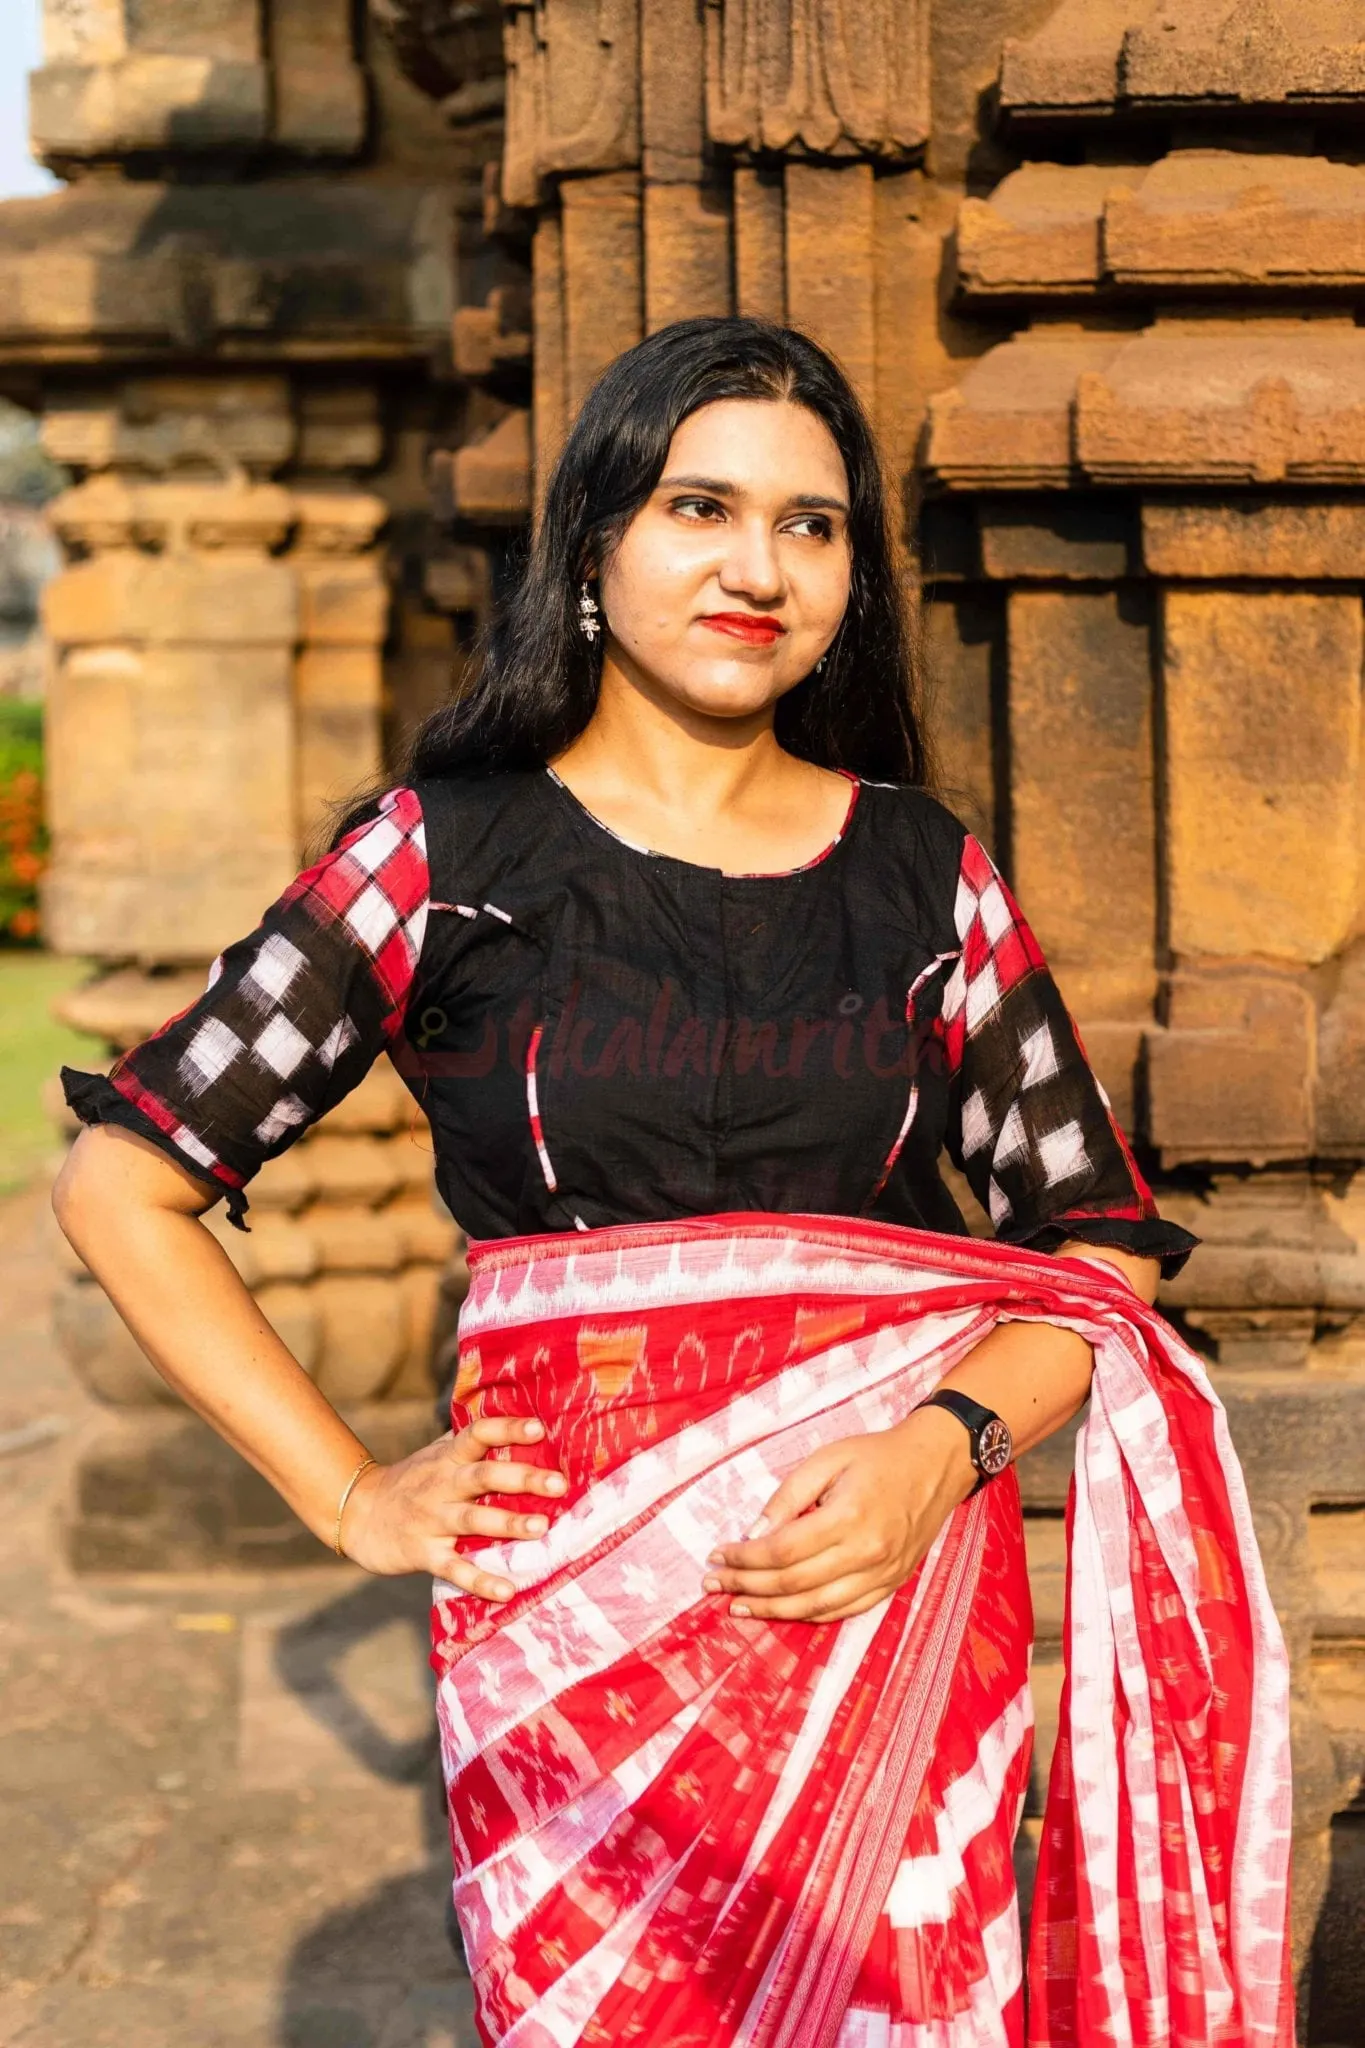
(573, 91)
(819, 77)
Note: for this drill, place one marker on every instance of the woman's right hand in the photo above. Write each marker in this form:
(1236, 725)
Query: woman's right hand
(406, 1517)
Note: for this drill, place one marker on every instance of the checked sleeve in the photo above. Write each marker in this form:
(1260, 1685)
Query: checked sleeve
(293, 1016)
(1028, 1123)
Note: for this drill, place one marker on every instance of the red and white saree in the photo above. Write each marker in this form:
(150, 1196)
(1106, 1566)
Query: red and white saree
(674, 1826)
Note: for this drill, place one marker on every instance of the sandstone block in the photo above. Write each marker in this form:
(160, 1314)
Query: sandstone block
(357, 1172)
(319, 96)
(672, 88)
(1039, 232)
(226, 600)
(338, 694)
(147, 101)
(1221, 217)
(128, 1005)
(1083, 808)
(1095, 55)
(355, 1240)
(687, 253)
(155, 423)
(343, 601)
(830, 218)
(171, 797)
(340, 428)
(760, 252)
(1285, 539)
(362, 1338)
(1008, 424)
(336, 523)
(490, 480)
(604, 305)
(429, 1235)
(1262, 864)
(1230, 1076)
(1264, 402)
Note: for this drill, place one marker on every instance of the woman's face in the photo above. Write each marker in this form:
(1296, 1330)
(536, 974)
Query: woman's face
(730, 582)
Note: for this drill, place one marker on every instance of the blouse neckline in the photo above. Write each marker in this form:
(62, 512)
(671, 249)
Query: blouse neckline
(702, 867)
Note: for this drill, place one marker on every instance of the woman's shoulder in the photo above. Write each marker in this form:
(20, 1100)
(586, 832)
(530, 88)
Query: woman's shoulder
(914, 829)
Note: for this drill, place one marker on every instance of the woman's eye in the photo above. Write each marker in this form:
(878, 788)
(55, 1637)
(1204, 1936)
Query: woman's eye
(814, 525)
(698, 508)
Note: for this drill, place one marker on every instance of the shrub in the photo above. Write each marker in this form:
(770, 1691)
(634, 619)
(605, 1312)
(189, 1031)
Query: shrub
(23, 841)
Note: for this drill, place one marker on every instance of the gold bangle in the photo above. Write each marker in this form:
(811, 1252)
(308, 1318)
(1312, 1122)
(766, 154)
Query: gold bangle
(363, 1466)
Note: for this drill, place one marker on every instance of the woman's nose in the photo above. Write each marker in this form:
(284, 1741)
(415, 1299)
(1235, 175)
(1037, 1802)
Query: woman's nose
(751, 567)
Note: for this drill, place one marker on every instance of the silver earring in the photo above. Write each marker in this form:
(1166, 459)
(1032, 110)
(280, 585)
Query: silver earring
(587, 615)
(820, 665)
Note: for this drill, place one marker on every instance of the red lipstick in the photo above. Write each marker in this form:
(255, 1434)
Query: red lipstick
(754, 630)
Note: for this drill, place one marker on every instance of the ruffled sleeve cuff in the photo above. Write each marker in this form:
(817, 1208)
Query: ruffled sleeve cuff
(94, 1099)
(1145, 1237)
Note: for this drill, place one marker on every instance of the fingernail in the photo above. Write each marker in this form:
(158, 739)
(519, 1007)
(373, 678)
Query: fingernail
(535, 1429)
(739, 1608)
(760, 1528)
(711, 1583)
(537, 1524)
(556, 1482)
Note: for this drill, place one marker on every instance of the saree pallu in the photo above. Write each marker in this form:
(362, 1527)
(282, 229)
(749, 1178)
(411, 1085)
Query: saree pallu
(672, 1825)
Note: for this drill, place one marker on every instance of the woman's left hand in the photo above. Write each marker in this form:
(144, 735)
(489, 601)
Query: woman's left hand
(849, 1524)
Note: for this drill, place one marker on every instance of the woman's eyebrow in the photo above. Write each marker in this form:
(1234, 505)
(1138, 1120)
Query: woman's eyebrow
(716, 487)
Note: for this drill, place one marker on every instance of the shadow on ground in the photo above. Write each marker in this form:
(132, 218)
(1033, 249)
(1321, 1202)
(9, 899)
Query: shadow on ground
(343, 1973)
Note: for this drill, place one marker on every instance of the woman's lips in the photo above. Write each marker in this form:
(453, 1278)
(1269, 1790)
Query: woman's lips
(758, 632)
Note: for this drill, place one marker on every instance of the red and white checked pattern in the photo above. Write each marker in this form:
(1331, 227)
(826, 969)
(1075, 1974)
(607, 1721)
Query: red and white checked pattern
(373, 890)
(609, 1869)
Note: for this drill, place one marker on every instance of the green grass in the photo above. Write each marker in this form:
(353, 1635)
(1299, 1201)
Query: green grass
(32, 1047)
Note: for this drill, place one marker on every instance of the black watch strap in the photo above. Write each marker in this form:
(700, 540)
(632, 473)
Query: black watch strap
(992, 1444)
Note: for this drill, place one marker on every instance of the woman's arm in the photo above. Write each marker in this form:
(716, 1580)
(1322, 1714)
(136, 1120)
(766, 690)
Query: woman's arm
(851, 1523)
(133, 1216)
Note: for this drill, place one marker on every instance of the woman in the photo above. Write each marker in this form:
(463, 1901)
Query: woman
(695, 983)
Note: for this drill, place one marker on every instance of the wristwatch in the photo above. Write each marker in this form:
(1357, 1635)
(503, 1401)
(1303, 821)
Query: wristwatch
(992, 1444)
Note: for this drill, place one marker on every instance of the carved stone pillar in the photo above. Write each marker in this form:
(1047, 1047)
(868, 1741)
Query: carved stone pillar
(1160, 467)
(246, 324)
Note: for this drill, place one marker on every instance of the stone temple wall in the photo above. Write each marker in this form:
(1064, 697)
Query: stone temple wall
(276, 298)
(1098, 269)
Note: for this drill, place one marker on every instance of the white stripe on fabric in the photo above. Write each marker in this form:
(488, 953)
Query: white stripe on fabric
(600, 1282)
(922, 1890)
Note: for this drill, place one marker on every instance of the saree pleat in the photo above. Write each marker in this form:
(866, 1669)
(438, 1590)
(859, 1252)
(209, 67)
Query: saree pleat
(674, 1824)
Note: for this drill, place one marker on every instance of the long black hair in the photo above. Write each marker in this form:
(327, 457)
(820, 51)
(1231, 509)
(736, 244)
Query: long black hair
(537, 682)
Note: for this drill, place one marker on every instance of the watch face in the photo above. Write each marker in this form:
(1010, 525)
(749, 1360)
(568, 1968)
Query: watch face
(994, 1447)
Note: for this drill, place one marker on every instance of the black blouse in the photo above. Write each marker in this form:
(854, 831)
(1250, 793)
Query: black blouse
(600, 1034)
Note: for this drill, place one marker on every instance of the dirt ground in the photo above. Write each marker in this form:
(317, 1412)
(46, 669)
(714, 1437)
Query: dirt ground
(219, 1800)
